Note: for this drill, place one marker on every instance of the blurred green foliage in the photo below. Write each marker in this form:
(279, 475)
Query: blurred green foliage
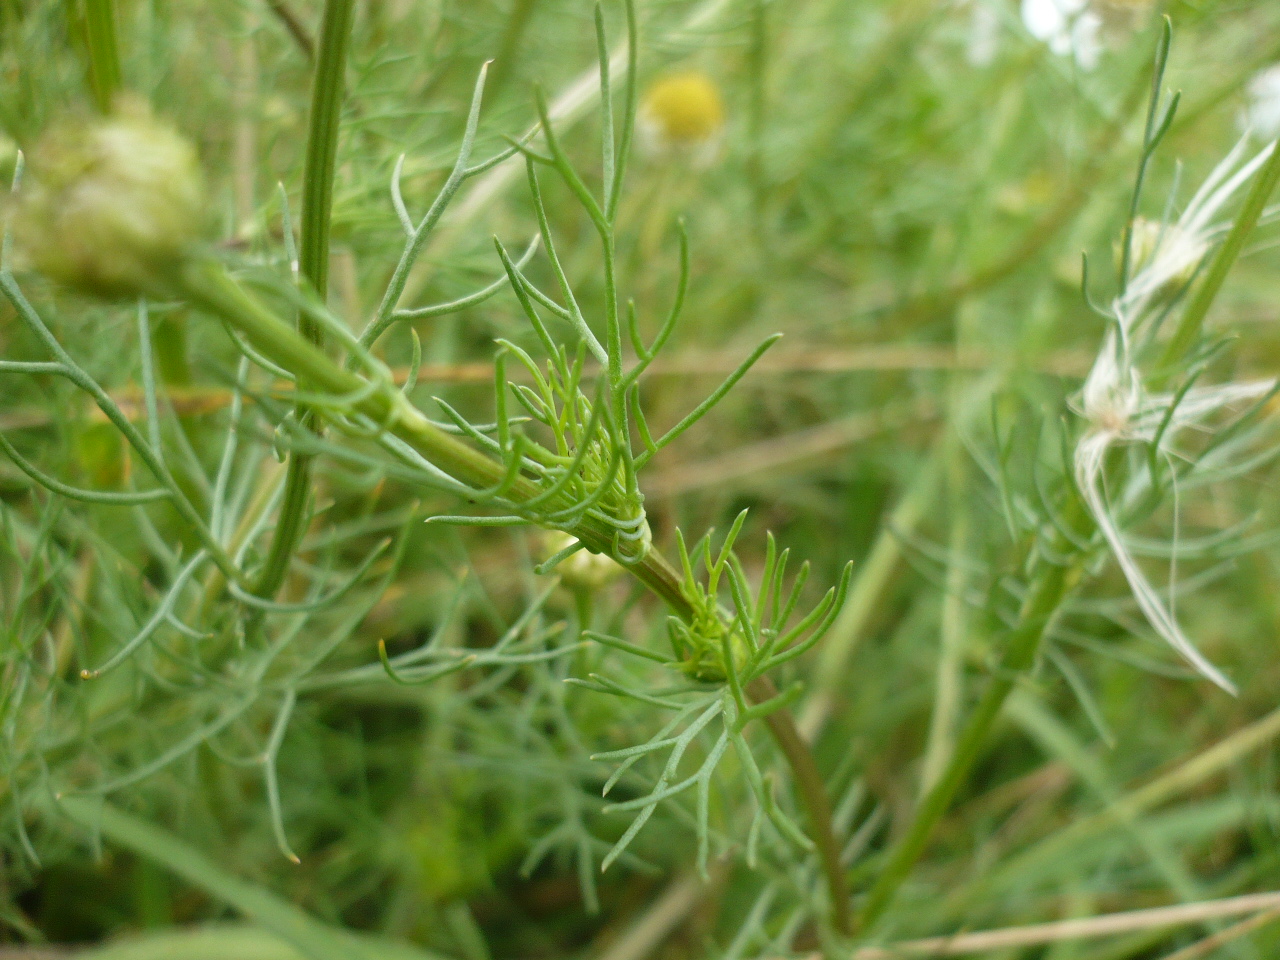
(911, 215)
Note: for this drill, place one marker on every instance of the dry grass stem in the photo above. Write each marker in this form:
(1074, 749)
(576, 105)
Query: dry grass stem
(1086, 928)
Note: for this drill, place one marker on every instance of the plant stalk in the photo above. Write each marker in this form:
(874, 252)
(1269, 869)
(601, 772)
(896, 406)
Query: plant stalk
(813, 794)
(1042, 603)
(313, 264)
(1050, 587)
(104, 52)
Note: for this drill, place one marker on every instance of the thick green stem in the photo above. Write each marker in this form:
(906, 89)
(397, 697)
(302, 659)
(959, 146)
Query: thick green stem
(313, 263)
(1048, 590)
(104, 52)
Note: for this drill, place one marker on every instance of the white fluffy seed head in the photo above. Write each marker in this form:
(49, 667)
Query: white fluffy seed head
(1120, 406)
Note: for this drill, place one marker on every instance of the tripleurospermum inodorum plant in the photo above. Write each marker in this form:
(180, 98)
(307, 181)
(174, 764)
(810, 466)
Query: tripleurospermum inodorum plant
(395, 568)
(581, 479)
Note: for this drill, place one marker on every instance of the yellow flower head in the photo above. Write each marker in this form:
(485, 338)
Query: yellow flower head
(682, 112)
(107, 204)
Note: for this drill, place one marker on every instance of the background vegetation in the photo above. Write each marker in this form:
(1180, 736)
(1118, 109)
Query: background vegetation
(902, 188)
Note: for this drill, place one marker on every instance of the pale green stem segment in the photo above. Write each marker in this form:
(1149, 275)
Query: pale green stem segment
(1151, 137)
(313, 264)
(1048, 591)
(952, 630)
(322, 150)
(104, 52)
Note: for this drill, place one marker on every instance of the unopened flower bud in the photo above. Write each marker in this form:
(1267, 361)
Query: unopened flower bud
(583, 570)
(109, 205)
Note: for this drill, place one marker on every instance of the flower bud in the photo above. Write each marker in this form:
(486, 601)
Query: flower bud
(109, 205)
(583, 570)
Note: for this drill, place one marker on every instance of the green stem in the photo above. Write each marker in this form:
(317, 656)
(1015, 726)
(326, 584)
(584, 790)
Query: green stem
(1042, 602)
(1192, 320)
(313, 263)
(813, 794)
(322, 150)
(104, 52)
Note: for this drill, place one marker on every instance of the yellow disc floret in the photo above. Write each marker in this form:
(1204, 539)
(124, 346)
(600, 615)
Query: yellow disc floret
(108, 205)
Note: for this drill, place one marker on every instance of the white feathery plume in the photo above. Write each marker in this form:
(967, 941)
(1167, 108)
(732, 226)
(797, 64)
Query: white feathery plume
(1181, 245)
(1120, 410)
